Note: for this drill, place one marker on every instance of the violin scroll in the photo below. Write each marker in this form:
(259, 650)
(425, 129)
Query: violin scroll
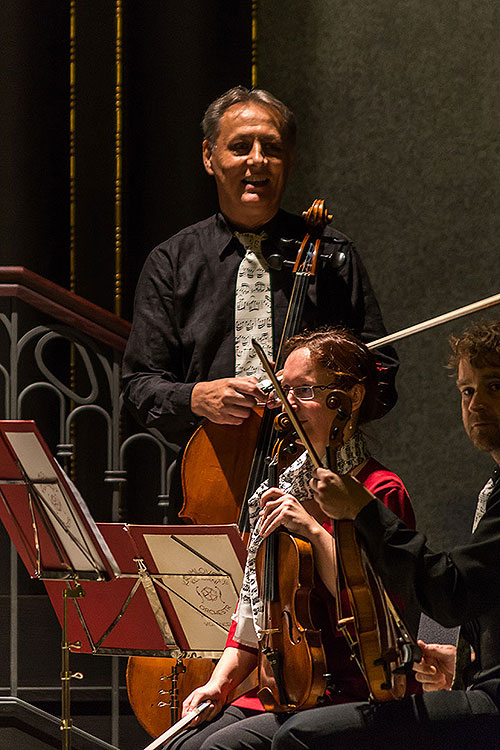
(341, 402)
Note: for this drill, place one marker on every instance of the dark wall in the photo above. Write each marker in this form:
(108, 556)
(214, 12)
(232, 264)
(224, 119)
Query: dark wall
(176, 59)
(179, 59)
(33, 128)
(398, 106)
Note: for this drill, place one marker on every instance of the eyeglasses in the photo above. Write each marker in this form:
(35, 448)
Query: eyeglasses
(300, 392)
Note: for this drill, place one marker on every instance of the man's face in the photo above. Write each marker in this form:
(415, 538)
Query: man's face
(250, 162)
(480, 391)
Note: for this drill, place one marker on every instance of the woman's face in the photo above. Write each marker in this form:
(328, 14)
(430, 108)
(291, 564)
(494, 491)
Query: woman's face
(315, 416)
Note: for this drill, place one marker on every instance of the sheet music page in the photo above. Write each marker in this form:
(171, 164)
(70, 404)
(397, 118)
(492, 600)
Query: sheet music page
(67, 527)
(204, 597)
(32, 456)
(75, 539)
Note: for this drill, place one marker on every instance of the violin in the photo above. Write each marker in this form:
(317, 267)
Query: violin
(378, 639)
(224, 464)
(291, 662)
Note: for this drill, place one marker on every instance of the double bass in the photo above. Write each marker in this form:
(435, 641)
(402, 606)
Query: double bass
(222, 466)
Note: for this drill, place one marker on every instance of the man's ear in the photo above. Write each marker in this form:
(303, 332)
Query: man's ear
(207, 157)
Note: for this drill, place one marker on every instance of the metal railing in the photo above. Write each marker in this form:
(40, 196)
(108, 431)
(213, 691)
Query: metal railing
(60, 365)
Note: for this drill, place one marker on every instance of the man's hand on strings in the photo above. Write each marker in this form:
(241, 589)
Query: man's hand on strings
(227, 400)
(436, 668)
(339, 496)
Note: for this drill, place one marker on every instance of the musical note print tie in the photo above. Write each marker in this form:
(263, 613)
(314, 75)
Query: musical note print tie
(482, 500)
(253, 317)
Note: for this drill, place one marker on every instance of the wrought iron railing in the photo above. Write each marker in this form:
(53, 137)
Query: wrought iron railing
(60, 365)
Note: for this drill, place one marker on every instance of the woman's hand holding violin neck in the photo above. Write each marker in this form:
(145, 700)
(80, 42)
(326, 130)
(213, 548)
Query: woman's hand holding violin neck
(282, 509)
(340, 497)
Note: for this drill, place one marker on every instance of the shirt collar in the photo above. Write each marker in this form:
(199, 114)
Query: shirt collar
(223, 236)
(227, 243)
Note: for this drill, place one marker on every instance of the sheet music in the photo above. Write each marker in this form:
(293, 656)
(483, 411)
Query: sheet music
(32, 456)
(73, 538)
(203, 583)
(60, 508)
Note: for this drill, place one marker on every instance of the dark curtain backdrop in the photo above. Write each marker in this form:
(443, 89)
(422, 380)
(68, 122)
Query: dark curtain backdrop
(398, 105)
(176, 59)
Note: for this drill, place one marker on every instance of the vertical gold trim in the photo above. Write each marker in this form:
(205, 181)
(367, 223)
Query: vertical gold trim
(254, 43)
(72, 201)
(118, 160)
(72, 145)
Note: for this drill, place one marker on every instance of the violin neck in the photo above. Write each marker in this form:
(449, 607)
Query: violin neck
(270, 592)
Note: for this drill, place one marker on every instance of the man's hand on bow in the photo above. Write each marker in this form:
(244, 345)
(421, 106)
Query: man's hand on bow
(339, 496)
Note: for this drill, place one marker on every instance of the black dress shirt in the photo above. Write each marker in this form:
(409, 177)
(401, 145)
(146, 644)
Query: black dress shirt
(183, 326)
(460, 587)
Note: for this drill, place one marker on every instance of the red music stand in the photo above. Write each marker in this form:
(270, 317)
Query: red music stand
(44, 514)
(175, 594)
(157, 590)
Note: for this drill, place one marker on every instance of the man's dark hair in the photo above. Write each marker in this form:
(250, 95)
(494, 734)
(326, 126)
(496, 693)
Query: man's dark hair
(479, 344)
(348, 359)
(240, 94)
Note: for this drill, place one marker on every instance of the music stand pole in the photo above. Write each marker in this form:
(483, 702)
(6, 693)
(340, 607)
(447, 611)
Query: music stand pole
(66, 723)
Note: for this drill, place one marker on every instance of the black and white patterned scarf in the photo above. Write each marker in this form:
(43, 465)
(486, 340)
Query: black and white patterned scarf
(295, 481)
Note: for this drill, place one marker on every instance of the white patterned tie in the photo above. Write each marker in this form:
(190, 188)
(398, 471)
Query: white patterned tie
(482, 499)
(252, 317)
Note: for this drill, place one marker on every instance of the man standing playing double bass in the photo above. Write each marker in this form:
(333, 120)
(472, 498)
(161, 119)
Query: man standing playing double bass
(204, 293)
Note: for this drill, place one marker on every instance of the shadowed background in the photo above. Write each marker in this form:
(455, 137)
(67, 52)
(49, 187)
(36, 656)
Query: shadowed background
(398, 107)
